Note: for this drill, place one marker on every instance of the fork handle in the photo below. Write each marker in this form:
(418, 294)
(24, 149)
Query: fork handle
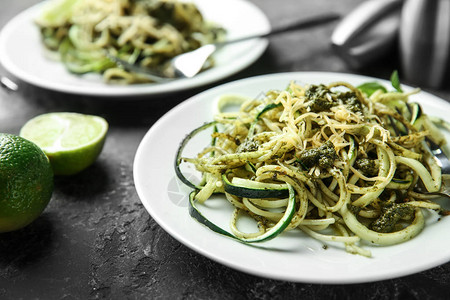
(302, 24)
(8, 84)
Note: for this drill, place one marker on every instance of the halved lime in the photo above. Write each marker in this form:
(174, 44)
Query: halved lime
(72, 141)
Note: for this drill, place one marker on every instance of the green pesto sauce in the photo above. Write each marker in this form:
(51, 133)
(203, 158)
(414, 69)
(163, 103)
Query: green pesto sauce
(249, 146)
(317, 98)
(390, 215)
(351, 101)
(323, 156)
(320, 98)
(367, 166)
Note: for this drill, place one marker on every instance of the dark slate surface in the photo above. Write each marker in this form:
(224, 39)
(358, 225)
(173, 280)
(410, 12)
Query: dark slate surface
(96, 240)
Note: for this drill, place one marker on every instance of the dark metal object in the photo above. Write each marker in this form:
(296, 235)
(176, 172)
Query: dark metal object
(443, 161)
(367, 32)
(425, 42)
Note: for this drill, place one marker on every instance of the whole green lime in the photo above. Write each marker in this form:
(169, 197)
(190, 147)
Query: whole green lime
(26, 182)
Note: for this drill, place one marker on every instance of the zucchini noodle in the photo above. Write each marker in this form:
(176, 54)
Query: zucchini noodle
(143, 32)
(358, 164)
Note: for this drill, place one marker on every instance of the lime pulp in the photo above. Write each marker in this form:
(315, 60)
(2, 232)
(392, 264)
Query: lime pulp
(72, 141)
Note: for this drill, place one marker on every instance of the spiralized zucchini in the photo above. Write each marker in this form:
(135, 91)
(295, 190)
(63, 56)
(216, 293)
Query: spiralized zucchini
(358, 163)
(143, 32)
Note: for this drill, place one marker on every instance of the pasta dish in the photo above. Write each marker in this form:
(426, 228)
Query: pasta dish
(143, 32)
(341, 163)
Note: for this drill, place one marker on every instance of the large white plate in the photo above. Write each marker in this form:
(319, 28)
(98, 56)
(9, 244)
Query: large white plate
(292, 256)
(22, 53)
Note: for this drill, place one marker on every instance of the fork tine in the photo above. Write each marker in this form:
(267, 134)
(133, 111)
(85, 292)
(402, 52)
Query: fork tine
(152, 75)
(438, 154)
(8, 84)
(440, 157)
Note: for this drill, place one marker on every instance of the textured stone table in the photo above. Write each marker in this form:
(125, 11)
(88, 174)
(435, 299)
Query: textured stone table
(96, 240)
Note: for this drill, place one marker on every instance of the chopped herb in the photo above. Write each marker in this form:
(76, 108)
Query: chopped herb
(371, 87)
(395, 81)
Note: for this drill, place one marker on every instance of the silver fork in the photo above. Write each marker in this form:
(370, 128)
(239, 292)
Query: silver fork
(438, 155)
(442, 160)
(189, 64)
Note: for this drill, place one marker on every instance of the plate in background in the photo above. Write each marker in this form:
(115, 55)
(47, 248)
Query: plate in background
(22, 53)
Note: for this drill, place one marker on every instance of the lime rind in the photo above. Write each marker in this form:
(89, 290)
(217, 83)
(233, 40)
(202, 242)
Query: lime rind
(72, 141)
(26, 182)
(74, 161)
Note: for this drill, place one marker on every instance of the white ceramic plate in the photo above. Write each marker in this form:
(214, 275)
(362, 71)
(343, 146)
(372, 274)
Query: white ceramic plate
(292, 256)
(22, 53)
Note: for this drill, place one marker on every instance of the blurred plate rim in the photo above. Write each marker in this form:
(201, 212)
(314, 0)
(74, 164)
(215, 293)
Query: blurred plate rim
(22, 54)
